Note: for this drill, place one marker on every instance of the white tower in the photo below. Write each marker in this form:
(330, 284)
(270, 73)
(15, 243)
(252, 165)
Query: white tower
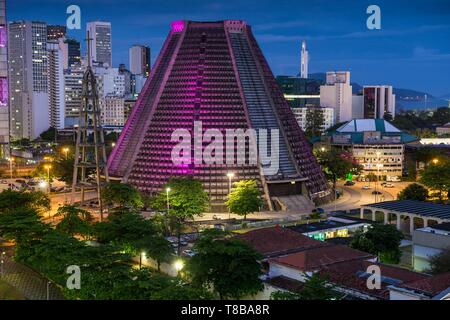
(304, 62)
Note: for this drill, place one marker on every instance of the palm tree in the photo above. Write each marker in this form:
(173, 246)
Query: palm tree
(74, 220)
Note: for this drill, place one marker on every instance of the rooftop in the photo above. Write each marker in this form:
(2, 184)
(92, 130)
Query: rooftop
(426, 209)
(319, 257)
(430, 286)
(322, 225)
(353, 274)
(353, 132)
(277, 240)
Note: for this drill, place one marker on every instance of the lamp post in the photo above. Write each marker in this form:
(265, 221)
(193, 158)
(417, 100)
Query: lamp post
(168, 203)
(11, 160)
(113, 144)
(435, 161)
(66, 151)
(48, 290)
(230, 176)
(48, 167)
(2, 261)
(178, 265)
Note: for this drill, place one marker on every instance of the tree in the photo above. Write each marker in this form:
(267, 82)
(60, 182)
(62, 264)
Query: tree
(316, 287)
(227, 265)
(315, 121)
(413, 192)
(244, 198)
(156, 247)
(16, 199)
(49, 134)
(21, 225)
(437, 177)
(122, 195)
(186, 199)
(74, 220)
(440, 263)
(64, 169)
(124, 229)
(382, 240)
(337, 163)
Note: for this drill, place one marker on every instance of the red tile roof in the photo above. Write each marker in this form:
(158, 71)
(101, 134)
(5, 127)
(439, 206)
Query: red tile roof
(318, 257)
(347, 274)
(431, 285)
(277, 240)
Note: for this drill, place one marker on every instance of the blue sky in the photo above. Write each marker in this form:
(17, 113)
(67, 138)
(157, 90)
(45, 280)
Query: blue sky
(412, 50)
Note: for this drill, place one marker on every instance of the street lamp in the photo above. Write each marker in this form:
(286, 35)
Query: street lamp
(435, 161)
(140, 259)
(322, 149)
(48, 167)
(178, 265)
(65, 150)
(113, 144)
(2, 262)
(11, 160)
(168, 203)
(48, 290)
(230, 176)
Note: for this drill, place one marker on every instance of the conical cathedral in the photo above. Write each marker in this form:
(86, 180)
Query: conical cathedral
(212, 77)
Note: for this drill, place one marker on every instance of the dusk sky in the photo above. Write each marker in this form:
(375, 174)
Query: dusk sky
(412, 50)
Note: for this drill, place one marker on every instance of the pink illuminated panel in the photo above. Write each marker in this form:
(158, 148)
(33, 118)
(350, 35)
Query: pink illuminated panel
(3, 91)
(177, 26)
(2, 36)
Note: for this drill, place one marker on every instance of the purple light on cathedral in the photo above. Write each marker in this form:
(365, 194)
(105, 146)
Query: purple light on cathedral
(177, 26)
(3, 92)
(2, 36)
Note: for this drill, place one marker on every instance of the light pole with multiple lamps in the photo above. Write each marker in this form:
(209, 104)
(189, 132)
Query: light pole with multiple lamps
(48, 167)
(230, 176)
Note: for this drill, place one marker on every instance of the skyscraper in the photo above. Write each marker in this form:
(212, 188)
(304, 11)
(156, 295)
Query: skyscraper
(337, 94)
(100, 33)
(27, 52)
(4, 101)
(73, 52)
(140, 60)
(304, 62)
(56, 83)
(378, 101)
(73, 86)
(216, 74)
(56, 32)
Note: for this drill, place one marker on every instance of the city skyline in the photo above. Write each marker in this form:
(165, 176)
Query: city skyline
(405, 53)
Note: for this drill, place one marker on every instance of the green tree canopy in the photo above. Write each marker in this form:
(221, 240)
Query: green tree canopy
(21, 224)
(413, 192)
(440, 263)
(229, 266)
(156, 247)
(244, 198)
(15, 199)
(122, 195)
(437, 177)
(382, 240)
(337, 162)
(74, 220)
(315, 121)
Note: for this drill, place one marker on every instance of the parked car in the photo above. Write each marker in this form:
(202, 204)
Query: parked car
(349, 183)
(366, 187)
(189, 253)
(318, 210)
(376, 192)
(389, 185)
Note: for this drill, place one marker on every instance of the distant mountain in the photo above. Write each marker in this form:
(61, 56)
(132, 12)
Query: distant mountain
(401, 94)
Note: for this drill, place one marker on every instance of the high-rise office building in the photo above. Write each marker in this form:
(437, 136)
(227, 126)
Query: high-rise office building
(73, 87)
(378, 101)
(214, 73)
(337, 94)
(140, 60)
(4, 94)
(304, 62)
(73, 52)
(112, 110)
(27, 52)
(56, 83)
(56, 32)
(101, 49)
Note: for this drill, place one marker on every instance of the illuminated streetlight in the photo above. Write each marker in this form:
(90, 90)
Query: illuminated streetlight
(65, 150)
(168, 203)
(113, 144)
(142, 254)
(435, 161)
(11, 160)
(322, 149)
(48, 167)
(230, 176)
(178, 265)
